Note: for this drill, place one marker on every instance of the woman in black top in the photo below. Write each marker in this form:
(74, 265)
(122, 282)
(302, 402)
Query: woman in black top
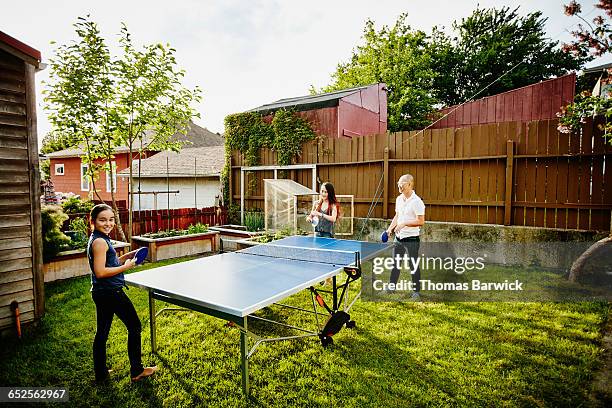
(107, 282)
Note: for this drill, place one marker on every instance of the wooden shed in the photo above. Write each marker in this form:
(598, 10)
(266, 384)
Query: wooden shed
(21, 278)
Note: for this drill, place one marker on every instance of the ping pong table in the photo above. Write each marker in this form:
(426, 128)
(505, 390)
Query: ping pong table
(233, 286)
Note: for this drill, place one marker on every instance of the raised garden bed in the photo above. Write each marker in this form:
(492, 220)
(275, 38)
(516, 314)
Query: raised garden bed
(73, 263)
(242, 243)
(178, 246)
(232, 234)
(263, 238)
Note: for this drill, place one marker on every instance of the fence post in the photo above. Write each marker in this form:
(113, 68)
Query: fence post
(508, 198)
(385, 182)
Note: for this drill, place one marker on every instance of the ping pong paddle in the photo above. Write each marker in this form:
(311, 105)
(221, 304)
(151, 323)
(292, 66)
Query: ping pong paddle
(384, 237)
(141, 255)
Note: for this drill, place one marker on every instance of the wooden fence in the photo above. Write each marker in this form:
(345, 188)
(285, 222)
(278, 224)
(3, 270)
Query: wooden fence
(158, 220)
(512, 173)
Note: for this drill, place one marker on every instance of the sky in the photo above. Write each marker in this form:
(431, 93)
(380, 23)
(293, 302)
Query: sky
(243, 54)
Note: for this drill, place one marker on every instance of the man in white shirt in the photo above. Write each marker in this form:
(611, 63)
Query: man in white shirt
(406, 225)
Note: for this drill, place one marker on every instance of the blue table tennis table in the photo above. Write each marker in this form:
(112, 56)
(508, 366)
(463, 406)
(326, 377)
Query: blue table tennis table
(233, 286)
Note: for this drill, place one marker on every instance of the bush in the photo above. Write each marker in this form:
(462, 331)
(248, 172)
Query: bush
(199, 228)
(74, 205)
(254, 220)
(54, 240)
(233, 214)
(79, 238)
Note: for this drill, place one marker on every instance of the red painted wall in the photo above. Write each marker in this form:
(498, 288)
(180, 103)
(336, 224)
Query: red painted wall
(324, 121)
(363, 113)
(534, 102)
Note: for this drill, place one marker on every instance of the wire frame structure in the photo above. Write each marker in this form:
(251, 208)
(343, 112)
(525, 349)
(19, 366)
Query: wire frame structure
(286, 205)
(344, 225)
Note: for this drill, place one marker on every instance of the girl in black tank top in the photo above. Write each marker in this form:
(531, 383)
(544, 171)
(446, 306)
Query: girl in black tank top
(107, 293)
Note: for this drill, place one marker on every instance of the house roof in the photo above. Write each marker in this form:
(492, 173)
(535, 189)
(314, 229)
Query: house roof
(189, 162)
(309, 102)
(197, 136)
(21, 50)
(597, 69)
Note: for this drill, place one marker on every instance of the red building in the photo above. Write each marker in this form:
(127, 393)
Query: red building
(350, 112)
(68, 172)
(532, 102)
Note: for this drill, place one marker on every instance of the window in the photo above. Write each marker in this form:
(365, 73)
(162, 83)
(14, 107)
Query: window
(108, 179)
(84, 178)
(59, 169)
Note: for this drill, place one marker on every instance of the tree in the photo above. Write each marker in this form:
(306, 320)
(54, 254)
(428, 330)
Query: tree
(78, 93)
(53, 142)
(102, 102)
(597, 41)
(596, 38)
(398, 57)
(150, 97)
(493, 51)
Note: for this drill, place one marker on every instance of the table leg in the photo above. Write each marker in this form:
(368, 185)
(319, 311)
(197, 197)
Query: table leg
(244, 350)
(152, 322)
(335, 290)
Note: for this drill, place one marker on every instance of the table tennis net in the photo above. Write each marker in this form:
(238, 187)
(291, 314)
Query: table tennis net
(318, 255)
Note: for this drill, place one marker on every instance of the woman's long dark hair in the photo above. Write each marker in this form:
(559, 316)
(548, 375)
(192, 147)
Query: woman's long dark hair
(331, 197)
(331, 193)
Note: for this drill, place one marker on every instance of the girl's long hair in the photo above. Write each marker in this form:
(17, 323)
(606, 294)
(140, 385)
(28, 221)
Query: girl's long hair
(331, 197)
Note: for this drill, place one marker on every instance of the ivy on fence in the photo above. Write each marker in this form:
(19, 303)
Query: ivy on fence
(247, 132)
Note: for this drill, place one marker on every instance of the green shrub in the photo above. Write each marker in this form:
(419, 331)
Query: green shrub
(254, 220)
(74, 205)
(199, 228)
(54, 240)
(233, 214)
(79, 237)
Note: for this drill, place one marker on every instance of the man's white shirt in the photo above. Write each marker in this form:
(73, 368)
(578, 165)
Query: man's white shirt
(408, 209)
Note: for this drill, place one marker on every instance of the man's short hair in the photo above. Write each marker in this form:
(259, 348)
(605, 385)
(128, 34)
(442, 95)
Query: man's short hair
(406, 178)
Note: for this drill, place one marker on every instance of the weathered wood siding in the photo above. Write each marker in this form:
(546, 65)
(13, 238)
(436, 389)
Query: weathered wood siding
(20, 231)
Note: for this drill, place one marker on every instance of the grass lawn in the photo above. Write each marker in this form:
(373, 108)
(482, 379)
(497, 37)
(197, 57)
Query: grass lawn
(400, 354)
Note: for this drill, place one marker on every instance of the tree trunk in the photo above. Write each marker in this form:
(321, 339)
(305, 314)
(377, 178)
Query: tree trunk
(131, 197)
(579, 264)
(93, 185)
(115, 208)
